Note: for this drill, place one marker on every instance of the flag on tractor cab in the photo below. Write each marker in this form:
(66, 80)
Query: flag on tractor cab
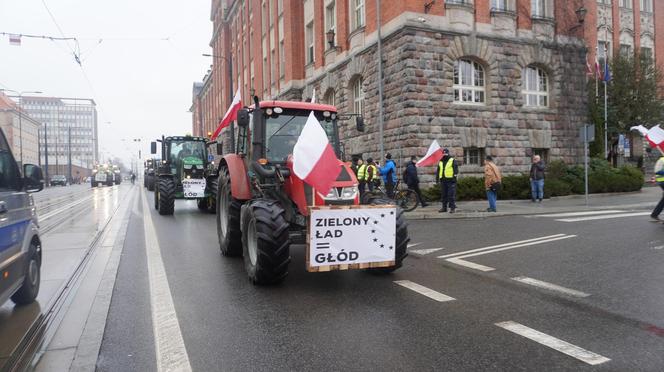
(231, 114)
(654, 135)
(15, 40)
(433, 155)
(314, 160)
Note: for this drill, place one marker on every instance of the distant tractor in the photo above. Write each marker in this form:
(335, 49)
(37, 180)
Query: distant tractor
(117, 176)
(102, 174)
(262, 206)
(183, 173)
(148, 173)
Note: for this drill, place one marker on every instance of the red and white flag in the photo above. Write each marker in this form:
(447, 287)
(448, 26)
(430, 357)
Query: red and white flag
(314, 160)
(231, 114)
(15, 40)
(433, 156)
(598, 68)
(589, 69)
(654, 135)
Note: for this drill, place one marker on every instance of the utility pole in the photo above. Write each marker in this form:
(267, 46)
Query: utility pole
(379, 51)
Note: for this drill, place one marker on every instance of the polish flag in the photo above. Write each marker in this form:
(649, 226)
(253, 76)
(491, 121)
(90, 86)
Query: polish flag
(433, 156)
(314, 160)
(230, 115)
(589, 69)
(654, 135)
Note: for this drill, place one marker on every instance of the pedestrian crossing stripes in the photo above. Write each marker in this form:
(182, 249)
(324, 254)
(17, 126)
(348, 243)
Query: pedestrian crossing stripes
(591, 215)
(424, 252)
(437, 296)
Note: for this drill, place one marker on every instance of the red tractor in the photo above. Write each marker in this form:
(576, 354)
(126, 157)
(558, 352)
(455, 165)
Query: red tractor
(262, 206)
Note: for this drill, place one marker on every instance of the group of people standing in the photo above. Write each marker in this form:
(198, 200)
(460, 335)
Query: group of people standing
(370, 174)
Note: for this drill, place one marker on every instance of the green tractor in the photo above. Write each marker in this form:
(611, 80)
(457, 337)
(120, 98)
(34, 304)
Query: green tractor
(185, 172)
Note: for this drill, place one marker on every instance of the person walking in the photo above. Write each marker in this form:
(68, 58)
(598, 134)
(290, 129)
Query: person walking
(537, 179)
(355, 164)
(367, 175)
(446, 173)
(412, 180)
(659, 178)
(133, 178)
(389, 173)
(492, 182)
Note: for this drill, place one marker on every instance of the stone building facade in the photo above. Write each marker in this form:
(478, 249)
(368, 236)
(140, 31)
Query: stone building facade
(483, 77)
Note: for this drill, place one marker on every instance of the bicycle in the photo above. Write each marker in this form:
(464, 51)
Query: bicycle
(404, 197)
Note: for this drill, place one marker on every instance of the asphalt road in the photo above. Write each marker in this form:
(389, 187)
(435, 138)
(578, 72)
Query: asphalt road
(597, 302)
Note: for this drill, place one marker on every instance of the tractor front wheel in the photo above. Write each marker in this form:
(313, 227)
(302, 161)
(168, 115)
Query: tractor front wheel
(265, 241)
(228, 217)
(401, 242)
(212, 190)
(166, 196)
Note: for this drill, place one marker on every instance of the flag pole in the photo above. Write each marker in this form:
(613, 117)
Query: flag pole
(606, 61)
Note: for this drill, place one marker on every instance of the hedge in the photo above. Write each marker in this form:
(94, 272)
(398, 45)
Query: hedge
(561, 180)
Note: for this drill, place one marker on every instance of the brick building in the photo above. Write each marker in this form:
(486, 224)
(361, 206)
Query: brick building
(21, 130)
(202, 106)
(483, 77)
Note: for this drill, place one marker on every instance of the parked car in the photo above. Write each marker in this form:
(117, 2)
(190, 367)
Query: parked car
(20, 244)
(58, 179)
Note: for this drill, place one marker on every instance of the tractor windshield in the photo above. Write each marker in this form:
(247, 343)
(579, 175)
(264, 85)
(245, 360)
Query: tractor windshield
(181, 149)
(281, 133)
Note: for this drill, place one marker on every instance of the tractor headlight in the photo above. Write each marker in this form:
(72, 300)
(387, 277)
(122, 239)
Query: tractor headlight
(188, 166)
(349, 192)
(200, 166)
(332, 194)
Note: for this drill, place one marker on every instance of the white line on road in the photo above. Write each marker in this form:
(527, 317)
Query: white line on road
(169, 345)
(559, 345)
(550, 286)
(413, 245)
(518, 246)
(424, 252)
(424, 291)
(499, 246)
(470, 265)
(50, 214)
(603, 217)
(575, 214)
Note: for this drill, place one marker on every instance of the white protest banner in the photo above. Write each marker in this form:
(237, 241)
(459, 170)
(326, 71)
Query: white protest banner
(353, 237)
(193, 187)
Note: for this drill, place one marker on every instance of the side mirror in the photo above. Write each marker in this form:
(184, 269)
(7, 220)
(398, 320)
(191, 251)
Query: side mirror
(33, 178)
(153, 147)
(220, 148)
(243, 118)
(359, 123)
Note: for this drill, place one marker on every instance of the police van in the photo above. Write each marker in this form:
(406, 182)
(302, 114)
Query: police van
(20, 244)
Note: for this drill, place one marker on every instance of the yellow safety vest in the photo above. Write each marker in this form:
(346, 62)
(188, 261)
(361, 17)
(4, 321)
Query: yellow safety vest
(660, 178)
(363, 174)
(448, 170)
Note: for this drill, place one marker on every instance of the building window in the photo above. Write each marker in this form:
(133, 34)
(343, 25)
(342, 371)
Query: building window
(646, 6)
(535, 87)
(606, 2)
(538, 8)
(330, 98)
(357, 15)
(468, 82)
(358, 96)
(473, 156)
(282, 60)
(647, 52)
(626, 4)
(625, 50)
(309, 42)
(603, 49)
(331, 18)
(499, 5)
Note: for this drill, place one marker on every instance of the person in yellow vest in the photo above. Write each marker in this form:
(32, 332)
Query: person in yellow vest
(659, 178)
(367, 175)
(446, 173)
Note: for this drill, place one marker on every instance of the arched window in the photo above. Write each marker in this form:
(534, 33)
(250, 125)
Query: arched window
(535, 87)
(358, 96)
(469, 82)
(330, 97)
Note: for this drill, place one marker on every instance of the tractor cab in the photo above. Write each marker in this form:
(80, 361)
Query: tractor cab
(186, 156)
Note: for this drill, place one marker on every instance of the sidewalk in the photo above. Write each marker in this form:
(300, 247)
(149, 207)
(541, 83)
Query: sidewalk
(647, 198)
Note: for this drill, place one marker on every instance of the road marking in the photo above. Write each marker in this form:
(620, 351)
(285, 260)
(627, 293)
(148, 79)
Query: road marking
(518, 246)
(550, 286)
(423, 252)
(499, 246)
(557, 344)
(169, 345)
(604, 217)
(576, 214)
(413, 245)
(424, 291)
(470, 265)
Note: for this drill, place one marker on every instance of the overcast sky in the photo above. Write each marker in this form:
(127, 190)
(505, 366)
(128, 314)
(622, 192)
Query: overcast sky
(140, 57)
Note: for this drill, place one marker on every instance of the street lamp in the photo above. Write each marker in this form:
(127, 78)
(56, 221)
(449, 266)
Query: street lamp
(20, 117)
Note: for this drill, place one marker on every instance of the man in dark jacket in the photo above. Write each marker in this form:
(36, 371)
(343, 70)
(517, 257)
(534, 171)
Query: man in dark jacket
(537, 179)
(413, 181)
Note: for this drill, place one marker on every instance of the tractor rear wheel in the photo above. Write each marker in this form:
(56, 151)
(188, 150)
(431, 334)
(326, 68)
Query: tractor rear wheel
(265, 241)
(212, 186)
(202, 204)
(228, 217)
(156, 198)
(166, 196)
(151, 183)
(401, 242)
